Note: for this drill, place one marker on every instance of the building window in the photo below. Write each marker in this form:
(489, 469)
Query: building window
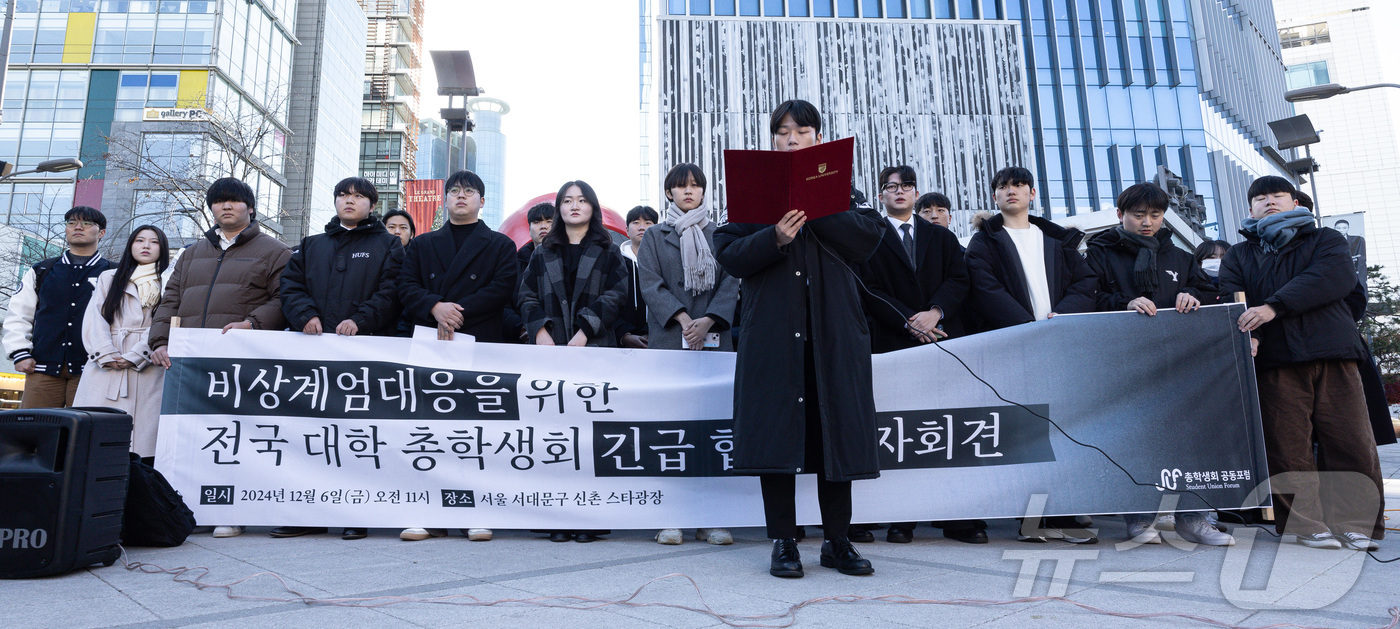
(174, 155)
(1305, 35)
(1307, 75)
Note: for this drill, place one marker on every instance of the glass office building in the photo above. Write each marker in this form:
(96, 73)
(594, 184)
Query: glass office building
(127, 82)
(487, 148)
(1115, 88)
(439, 151)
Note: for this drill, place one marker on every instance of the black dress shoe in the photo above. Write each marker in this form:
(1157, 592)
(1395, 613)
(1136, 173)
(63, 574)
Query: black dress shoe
(786, 562)
(840, 554)
(862, 533)
(296, 531)
(899, 536)
(584, 538)
(354, 534)
(560, 536)
(966, 535)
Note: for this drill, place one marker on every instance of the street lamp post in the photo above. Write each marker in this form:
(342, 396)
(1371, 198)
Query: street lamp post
(456, 77)
(1293, 133)
(1319, 92)
(48, 166)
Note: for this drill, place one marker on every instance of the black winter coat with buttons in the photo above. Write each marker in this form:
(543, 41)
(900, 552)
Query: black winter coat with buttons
(802, 294)
(480, 277)
(345, 274)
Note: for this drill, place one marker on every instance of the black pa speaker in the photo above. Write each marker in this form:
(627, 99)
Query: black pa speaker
(62, 488)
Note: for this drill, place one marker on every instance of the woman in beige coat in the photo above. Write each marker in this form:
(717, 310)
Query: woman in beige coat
(119, 373)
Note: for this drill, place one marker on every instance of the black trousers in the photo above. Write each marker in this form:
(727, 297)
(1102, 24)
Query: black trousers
(779, 490)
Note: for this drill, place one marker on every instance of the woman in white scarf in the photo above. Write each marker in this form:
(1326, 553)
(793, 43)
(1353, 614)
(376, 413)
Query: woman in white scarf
(119, 373)
(691, 302)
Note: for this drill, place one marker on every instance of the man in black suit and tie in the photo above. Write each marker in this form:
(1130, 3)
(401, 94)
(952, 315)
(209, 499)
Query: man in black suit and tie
(915, 286)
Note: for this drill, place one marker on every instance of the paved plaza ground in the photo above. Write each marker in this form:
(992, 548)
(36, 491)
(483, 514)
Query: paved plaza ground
(1257, 583)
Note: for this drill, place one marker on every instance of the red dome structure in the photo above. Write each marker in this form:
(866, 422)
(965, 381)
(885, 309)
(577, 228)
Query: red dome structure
(517, 225)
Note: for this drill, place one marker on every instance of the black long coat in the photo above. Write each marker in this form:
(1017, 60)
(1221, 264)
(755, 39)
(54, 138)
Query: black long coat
(480, 278)
(345, 274)
(1000, 297)
(940, 279)
(787, 295)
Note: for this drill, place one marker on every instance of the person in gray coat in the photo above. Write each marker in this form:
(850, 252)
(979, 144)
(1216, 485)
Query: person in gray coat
(689, 297)
(690, 300)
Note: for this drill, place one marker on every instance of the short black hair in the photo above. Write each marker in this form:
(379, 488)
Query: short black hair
(1271, 184)
(1210, 248)
(1013, 176)
(906, 174)
(1342, 221)
(360, 185)
(542, 211)
(805, 114)
(398, 212)
(230, 189)
(642, 212)
(682, 173)
(85, 213)
(465, 179)
(932, 199)
(1304, 200)
(1142, 195)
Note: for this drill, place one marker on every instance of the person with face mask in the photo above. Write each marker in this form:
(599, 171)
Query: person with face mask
(1207, 256)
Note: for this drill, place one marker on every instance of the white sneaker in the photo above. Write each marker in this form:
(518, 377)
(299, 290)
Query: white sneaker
(669, 537)
(1166, 522)
(1357, 541)
(228, 531)
(1324, 540)
(1198, 530)
(1141, 531)
(718, 537)
(479, 535)
(419, 534)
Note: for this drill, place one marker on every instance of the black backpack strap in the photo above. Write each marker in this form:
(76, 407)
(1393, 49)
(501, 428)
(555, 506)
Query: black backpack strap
(41, 271)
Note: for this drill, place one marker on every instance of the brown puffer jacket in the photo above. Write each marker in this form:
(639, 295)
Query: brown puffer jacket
(211, 287)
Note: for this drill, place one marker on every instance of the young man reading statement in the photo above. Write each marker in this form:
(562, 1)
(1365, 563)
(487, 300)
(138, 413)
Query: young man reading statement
(804, 338)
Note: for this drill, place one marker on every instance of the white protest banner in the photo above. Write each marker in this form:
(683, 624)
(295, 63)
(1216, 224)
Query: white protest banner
(281, 428)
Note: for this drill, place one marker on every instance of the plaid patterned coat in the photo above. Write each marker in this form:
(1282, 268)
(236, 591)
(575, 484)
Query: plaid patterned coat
(600, 285)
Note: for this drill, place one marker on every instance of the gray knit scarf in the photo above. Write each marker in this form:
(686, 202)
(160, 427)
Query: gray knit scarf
(697, 261)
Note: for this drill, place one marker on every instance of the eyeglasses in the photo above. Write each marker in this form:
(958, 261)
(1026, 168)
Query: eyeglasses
(907, 186)
(73, 222)
(459, 191)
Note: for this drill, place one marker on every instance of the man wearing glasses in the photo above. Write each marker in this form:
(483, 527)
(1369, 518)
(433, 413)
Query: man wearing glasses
(915, 282)
(460, 277)
(44, 326)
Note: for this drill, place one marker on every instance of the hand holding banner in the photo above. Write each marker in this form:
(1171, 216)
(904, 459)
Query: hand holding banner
(281, 428)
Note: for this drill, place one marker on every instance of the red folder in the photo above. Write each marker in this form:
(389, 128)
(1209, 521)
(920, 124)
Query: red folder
(762, 186)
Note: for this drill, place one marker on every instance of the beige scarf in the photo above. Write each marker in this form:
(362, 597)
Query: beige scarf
(147, 282)
(697, 261)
